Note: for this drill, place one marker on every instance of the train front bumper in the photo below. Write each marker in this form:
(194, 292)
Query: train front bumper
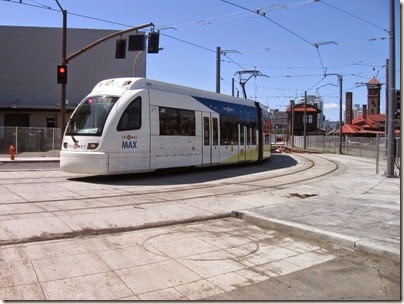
(84, 162)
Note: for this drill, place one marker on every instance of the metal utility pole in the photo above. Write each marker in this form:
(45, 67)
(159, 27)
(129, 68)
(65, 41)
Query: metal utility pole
(392, 95)
(386, 128)
(340, 114)
(218, 55)
(63, 87)
(340, 78)
(292, 105)
(305, 122)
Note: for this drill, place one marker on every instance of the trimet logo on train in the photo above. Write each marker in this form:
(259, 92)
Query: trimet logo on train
(129, 142)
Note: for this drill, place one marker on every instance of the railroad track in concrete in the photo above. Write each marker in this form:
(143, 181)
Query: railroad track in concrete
(307, 169)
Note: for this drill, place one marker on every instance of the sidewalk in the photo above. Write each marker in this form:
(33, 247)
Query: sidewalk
(186, 257)
(358, 209)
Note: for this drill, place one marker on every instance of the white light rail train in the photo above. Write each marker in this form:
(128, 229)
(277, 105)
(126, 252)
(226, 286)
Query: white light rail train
(129, 125)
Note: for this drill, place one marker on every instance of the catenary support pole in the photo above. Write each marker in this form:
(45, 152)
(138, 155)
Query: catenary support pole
(218, 55)
(392, 94)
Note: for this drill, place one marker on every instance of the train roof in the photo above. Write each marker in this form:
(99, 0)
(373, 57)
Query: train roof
(118, 86)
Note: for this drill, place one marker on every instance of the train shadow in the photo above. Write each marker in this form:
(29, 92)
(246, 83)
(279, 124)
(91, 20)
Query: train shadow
(191, 175)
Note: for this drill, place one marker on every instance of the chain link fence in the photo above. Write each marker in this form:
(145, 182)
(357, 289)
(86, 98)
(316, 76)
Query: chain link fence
(31, 141)
(46, 142)
(370, 147)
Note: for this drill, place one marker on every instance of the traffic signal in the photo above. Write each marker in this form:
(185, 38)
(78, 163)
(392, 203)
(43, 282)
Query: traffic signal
(62, 74)
(120, 50)
(137, 43)
(153, 42)
(398, 104)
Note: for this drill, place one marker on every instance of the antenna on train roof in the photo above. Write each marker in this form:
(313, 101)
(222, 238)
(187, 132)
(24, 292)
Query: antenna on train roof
(243, 80)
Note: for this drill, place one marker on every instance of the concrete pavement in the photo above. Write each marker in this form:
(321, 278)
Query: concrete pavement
(352, 208)
(358, 209)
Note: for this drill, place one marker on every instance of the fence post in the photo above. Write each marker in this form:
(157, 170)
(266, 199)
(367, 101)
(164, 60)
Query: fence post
(53, 142)
(16, 140)
(377, 153)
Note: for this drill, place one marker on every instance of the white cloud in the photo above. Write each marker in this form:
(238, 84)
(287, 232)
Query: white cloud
(330, 106)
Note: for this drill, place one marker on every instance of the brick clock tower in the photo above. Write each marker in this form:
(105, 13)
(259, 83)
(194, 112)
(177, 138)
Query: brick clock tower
(374, 87)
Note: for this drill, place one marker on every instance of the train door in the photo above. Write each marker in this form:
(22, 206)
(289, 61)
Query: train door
(248, 134)
(242, 142)
(210, 139)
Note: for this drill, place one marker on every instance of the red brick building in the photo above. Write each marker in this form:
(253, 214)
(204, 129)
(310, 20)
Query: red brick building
(311, 123)
(370, 122)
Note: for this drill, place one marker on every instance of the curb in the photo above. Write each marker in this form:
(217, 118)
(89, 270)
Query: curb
(28, 160)
(306, 231)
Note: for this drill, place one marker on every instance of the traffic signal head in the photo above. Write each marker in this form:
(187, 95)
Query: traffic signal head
(153, 42)
(137, 43)
(62, 74)
(120, 50)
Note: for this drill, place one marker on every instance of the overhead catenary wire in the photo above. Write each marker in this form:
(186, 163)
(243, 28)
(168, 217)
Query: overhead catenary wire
(352, 15)
(269, 19)
(263, 14)
(36, 4)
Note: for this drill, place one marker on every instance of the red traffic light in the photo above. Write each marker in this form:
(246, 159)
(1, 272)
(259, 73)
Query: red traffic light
(62, 74)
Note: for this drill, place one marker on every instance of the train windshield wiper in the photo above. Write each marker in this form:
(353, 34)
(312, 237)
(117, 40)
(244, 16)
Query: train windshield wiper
(71, 120)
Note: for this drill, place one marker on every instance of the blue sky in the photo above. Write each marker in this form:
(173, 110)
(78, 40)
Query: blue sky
(279, 45)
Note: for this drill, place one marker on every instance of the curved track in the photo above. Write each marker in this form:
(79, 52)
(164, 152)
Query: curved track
(130, 188)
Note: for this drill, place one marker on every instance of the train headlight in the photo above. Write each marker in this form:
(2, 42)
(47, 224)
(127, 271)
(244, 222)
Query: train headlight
(92, 146)
(65, 145)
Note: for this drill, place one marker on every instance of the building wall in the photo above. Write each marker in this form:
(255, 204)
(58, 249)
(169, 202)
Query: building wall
(29, 57)
(317, 101)
(279, 121)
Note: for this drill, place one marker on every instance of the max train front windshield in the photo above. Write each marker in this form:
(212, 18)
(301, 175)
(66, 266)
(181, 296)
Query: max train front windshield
(90, 116)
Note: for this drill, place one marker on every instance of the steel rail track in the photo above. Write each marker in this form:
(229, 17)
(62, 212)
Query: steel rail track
(249, 182)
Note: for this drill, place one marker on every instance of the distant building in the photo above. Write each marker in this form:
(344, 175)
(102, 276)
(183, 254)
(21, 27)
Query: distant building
(279, 121)
(29, 93)
(374, 87)
(311, 120)
(357, 110)
(318, 103)
(368, 121)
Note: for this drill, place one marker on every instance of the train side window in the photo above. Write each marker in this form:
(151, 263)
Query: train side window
(228, 130)
(187, 122)
(206, 139)
(176, 122)
(254, 132)
(215, 131)
(132, 117)
(242, 135)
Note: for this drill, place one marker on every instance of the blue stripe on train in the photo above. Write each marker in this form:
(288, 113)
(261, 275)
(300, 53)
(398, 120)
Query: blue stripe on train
(227, 108)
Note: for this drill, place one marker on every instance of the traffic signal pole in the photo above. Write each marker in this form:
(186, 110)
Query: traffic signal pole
(66, 59)
(391, 122)
(63, 88)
